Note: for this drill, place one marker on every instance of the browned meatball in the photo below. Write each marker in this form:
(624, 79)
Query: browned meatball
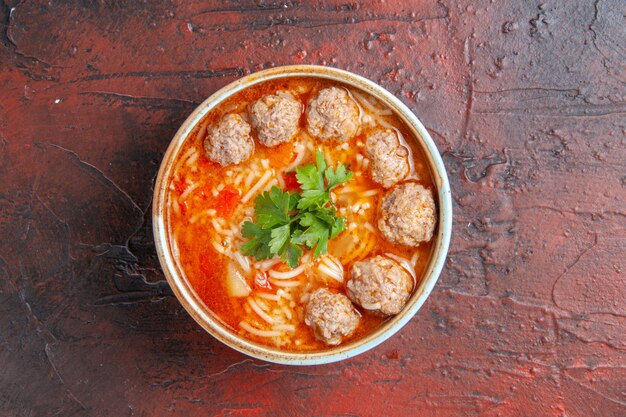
(229, 141)
(389, 159)
(380, 285)
(407, 215)
(333, 114)
(331, 316)
(276, 118)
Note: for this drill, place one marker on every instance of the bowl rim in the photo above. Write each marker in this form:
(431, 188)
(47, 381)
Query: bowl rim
(186, 295)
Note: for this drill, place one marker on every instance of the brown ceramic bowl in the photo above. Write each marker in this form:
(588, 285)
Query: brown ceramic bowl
(194, 305)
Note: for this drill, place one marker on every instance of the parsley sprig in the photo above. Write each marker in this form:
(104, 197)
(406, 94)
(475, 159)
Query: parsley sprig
(287, 223)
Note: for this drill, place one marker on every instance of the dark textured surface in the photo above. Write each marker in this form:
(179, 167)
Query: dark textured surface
(525, 101)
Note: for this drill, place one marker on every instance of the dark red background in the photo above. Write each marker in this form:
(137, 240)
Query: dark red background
(526, 101)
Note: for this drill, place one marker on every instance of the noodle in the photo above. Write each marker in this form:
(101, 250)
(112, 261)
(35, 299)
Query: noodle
(285, 327)
(287, 274)
(192, 159)
(219, 248)
(256, 187)
(188, 190)
(201, 132)
(258, 332)
(243, 261)
(369, 106)
(284, 294)
(216, 225)
(268, 296)
(299, 149)
(369, 193)
(405, 263)
(386, 124)
(280, 283)
(267, 264)
(331, 273)
(414, 258)
(259, 311)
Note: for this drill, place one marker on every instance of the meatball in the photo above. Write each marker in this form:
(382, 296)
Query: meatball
(380, 285)
(229, 141)
(333, 114)
(407, 215)
(389, 158)
(331, 316)
(276, 118)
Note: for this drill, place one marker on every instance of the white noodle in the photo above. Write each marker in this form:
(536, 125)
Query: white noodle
(386, 124)
(189, 190)
(263, 305)
(258, 332)
(281, 283)
(243, 261)
(268, 296)
(281, 181)
(218, 248)
(369, 227)
(364, 101)
(414, 258)
(192, 159)
(373, 306)
(330, 272)
(369, 193)
(176, 207)
(287, 312)
(187, 154)
(344, 190)
(299, 149)
(404, 263)
(201, 132)
(239, 178)
(249, 178)
(285, 327)
(305, 298)
(258, 310)
(216, 225)
(284, 294)
(196, 217)
(269, 185)
(267, 264)
(257, 186)
(287, 274)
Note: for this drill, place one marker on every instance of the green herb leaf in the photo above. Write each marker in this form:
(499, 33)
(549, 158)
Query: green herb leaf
(273, 207)
(334, 178)
(313, 199)
(310, 178)
(258, 245)
(292, 255)
(285, 223)
(280, 236)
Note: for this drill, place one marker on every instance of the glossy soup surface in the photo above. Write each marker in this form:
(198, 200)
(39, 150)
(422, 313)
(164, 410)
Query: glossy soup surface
(207, 204)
